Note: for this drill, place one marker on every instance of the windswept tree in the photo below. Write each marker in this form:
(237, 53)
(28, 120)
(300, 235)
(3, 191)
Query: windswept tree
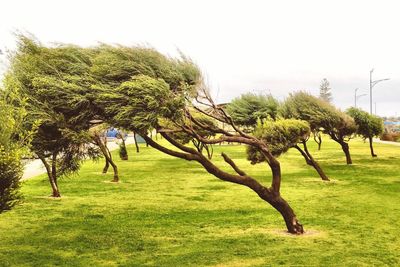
(369, 125)
(55, 81)
(325, 91)
(149, 89)
(246, 109)
(323, 117)
(280, 135)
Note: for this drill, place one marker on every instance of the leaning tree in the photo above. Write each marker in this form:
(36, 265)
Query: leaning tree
(321, 116)
(147, 89)
(369, 125)
(55, 82)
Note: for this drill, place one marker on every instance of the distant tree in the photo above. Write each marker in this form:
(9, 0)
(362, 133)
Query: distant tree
(322, 117)
(123, 152)
(280, 135)
(246, 109)
(318, 138)
(369, 125)
(325, 91)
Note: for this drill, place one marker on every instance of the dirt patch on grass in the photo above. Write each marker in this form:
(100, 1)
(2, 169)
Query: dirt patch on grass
(241, 263)
(307, 233)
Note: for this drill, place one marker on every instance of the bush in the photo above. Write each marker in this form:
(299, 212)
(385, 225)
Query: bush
(10, 174)
(393, 137)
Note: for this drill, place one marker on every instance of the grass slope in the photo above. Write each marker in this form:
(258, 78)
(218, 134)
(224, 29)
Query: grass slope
(169, 212)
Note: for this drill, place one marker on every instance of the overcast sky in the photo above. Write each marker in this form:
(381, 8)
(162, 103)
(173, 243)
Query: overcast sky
(242, 46)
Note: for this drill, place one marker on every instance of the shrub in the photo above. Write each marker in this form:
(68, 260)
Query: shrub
(393, 137)
(10, 175)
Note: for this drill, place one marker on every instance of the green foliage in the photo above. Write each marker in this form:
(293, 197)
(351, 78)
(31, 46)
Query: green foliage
(56, 84)
(12, 147)
(67, 86)
(138, 104)
(321, 115)
(138, 87)
(368, 125)
(280, 135)
(10, 175)
(113, 65)
(248, 108)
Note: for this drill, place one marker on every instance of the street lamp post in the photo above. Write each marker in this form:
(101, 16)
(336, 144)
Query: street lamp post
(371, 85)
(356, 97)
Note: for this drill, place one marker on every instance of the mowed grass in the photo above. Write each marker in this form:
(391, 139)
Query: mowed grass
(170, 212)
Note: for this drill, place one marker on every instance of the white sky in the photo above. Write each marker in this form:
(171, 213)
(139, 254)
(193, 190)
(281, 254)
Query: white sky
(259, 46)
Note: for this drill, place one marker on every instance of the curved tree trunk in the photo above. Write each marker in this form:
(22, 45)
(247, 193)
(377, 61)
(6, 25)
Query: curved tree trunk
(270, 195)
(292, 224)
(106, 166)
(311, 161)
(305, 156)
(136, 143)
(318, 139)
(107, 155)
(346, 150)
(210, 150)
(371, 147)
(51, 174)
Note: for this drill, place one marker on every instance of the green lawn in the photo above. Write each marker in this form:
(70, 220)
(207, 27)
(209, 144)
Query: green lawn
(169, 212)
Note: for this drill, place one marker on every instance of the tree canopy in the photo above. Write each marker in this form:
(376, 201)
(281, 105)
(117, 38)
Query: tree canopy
(248, 108)
(321, 116)
(280, 135)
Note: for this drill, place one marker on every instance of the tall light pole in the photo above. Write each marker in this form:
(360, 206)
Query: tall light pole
(371, 85)
(356, 97)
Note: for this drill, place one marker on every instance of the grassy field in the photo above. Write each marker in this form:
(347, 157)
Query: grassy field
(169, 212)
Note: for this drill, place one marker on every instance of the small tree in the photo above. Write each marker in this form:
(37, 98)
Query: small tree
(325, 91)
(318, 138)
(280, 135)
(321, 116)
(123, 152)
(369, 125)
(248, 108)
